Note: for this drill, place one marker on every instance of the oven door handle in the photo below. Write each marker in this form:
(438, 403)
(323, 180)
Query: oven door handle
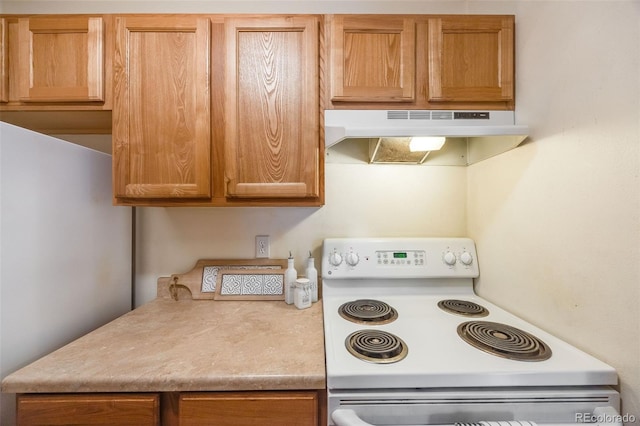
(603, 416)
(343, 417)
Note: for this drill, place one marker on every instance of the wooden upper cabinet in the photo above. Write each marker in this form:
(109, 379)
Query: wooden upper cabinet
(471, 58)
(61, 59)
(372, 58)
(4, 61)
(272, 107)
(161, 113)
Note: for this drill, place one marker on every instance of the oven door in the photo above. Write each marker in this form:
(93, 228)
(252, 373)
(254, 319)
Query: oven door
(343, 417)
(475, 407)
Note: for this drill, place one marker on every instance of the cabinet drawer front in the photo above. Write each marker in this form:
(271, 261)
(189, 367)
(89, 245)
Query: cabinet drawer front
(61, 60)
(249, 409)
(90, 409)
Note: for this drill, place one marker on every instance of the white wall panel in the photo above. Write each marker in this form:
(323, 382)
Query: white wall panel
(65, 250)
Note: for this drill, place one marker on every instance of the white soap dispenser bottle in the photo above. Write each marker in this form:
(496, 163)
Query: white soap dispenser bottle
(312, 275)
(290, 276)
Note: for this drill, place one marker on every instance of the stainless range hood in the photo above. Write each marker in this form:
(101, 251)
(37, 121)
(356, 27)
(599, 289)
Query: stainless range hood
(476, 135)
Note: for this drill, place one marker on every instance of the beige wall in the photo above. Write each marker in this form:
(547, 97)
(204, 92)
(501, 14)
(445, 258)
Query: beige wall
(234, 6)
(557, 221)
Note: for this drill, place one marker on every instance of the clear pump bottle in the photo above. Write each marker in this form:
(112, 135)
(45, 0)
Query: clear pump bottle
(290, 276)
(312, 274)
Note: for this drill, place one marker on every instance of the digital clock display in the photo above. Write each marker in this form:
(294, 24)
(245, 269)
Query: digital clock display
(400, 255)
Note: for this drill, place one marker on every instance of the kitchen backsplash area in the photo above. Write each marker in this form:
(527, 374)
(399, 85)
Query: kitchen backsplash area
(385, 200)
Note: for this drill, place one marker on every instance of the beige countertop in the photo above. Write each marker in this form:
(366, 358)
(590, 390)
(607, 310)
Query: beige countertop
(188, 345)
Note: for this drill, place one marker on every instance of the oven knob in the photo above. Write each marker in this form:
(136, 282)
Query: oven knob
(466, 258)
(335, 258)
(449, 258)
(352, 259)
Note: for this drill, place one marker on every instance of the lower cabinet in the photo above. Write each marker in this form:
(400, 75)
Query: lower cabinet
(125, 409)
(282, 408)
(248, 408)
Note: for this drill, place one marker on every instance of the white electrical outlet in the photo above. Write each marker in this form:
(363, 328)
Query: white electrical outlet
(262, 246)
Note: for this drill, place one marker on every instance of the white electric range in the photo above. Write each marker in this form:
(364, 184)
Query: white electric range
(408, 342)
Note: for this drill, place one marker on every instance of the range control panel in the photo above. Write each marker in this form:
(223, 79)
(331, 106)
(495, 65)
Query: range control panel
(408, 257)
(399, 258)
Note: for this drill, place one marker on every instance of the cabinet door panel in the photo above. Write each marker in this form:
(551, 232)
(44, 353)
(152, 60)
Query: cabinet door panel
(4, 60)
(272, 111)
(161, 116)
(89, 409)
(61, 59)
(471, 59)
(372, 59)
(249, 409)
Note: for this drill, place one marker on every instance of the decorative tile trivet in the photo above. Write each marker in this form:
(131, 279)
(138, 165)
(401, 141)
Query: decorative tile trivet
(250, 284)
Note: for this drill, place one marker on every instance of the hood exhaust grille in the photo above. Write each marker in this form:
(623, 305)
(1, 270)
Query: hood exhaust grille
(397, 115)
(419, 115)
(438, 115)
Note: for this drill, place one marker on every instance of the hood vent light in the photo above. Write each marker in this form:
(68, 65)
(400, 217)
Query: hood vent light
(394, 151)
(426, 143)
(403, 150)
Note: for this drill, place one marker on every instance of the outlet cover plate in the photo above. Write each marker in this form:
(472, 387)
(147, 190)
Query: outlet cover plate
(262, 246)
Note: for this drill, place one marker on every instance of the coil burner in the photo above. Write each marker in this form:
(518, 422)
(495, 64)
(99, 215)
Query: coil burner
(376, 346)
(368, 311)
(463, 307)
(504, 341)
